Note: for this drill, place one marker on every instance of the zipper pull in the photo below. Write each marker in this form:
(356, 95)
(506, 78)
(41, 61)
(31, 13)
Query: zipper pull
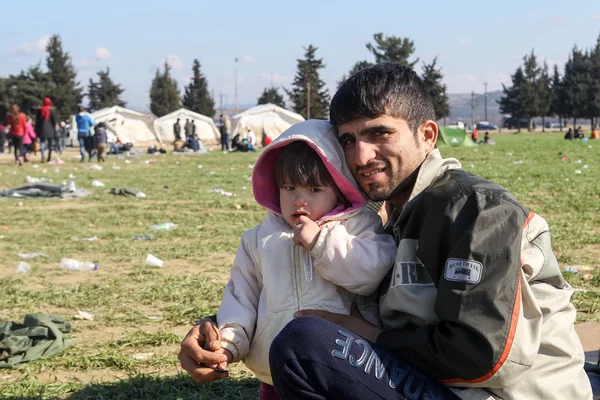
(308, 266)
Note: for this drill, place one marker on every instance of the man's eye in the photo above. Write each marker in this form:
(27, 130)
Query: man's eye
(347, 142)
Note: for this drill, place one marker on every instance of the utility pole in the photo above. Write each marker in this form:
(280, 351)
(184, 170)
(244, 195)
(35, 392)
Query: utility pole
(472, 108)
(485, 110)
(308, 100)
(236, 85)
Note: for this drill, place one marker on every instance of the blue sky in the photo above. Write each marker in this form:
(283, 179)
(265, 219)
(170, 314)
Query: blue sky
(475, 41)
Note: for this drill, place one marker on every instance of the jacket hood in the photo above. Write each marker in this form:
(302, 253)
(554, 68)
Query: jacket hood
(320, 136)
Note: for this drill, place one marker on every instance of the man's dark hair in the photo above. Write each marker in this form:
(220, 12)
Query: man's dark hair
(299, 165)
(387, 88)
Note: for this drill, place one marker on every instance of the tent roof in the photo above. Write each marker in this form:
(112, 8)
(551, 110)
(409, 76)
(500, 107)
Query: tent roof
(117, 109)
(269, 107)
(183, 112)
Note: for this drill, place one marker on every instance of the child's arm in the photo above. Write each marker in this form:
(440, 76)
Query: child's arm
(355, 254)
(237, 313)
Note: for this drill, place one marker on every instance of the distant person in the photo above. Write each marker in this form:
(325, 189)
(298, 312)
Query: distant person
(486, 138)
(28, 140)
(61, 135)
(225, 130)
(187, 129)
(594, 134)
(84, 125)
(475, 135)
(235, 142)
(569, 135)
(251, 138)
(17, 122)
(578, 133)
(101, 140)
(177, 130)
(45, 127)
(2, 138)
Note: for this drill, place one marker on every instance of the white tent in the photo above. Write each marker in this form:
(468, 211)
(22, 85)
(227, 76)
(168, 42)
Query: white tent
(130, 126)
(268, 118)
(205, 127)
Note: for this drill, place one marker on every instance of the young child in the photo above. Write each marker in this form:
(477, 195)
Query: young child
(101, 140)
(315, 248)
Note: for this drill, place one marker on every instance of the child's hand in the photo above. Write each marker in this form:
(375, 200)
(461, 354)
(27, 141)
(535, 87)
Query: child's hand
(224, 364)
(306, 232)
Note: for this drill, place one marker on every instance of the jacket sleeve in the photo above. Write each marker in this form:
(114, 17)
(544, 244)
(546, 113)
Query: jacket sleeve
(237, 313)
(477, 271)
(39, 121)
(355, 254)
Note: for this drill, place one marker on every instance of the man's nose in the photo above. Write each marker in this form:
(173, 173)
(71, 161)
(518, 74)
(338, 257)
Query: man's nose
(364, 152)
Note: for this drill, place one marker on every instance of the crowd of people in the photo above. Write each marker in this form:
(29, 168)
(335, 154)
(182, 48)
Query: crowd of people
(580, 134)
(24, 137)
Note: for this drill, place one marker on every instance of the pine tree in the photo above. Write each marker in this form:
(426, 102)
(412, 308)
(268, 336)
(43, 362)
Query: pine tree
(66, 93)
(307, 81)
(432, 78)
(392, 49)
(164, 93)
(529, 92)
(594, 87)
(196, 97)
(511, 101)
(575, 84)
(357, 67)
(544, 95)
(272, 96)
(104, 93)
(26, 89)
(557, 104)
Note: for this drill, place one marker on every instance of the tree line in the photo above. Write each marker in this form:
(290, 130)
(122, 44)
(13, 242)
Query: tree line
(537, 92)
(308, 94)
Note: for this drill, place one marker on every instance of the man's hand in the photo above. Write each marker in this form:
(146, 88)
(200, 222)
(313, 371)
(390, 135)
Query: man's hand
(354, 322)
(306, 232)
(200, 349)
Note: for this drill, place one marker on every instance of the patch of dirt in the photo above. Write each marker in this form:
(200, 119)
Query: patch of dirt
(95, 376)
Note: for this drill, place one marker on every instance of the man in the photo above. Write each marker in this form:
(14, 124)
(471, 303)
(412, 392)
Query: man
(475, 299)
(187, 129)
(224, 129)
(84, 125)
(177, 130)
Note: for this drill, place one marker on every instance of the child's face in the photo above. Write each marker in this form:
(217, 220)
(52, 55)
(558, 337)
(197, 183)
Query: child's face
(314, 202)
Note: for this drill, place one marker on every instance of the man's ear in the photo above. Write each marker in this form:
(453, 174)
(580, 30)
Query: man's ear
(429, 133)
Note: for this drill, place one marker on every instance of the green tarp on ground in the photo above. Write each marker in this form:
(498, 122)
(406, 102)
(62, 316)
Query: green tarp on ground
(454, 137)
(39, 336)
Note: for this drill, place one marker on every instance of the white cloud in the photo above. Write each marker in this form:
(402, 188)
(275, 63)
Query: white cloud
(465, 78)
(496, 79)
(247, 59)
(102, 53)
(465, 41)
(175, 62)
(597, 17)
(30, 48)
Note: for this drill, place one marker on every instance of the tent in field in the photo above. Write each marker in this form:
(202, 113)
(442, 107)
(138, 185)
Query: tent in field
(130, 126)
(205, 127)
(267, 118)
(454, 137)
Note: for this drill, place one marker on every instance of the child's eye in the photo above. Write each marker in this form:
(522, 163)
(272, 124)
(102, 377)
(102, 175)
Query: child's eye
(315, 190)
(289, 188)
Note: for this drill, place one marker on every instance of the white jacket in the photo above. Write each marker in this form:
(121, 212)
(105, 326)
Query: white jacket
(268, 281)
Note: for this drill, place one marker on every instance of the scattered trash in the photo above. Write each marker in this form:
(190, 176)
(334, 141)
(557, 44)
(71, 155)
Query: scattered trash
(57, 162)
(90, 239)
(36, 166)
(57, 171)
(96, 167)
(212, 172)
(199, 165)
(31, 179)
(576, 268)
(222, 192)
(564, 158)
(585, 166)
(518, 162)
(72, 187)
(587, 277)
(74, 265)
(44, 171)
(127, 162)
(152, 261)
(115, 167)
(165, 226)
(567, 180)
(22, 268)
(578, 161)
(127, 192)
(472, 166)
(244, 188)
(165, 187)
(142, 237)
(31, 256)
(20, 204)
(250, 166)
(237, 206)
(142, 356)
(154, 317)
(578, 172)
(509, 154)
(82, 315)
(97, 184)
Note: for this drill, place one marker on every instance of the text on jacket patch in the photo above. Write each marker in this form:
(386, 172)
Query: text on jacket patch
(410, 273)
(460, 270)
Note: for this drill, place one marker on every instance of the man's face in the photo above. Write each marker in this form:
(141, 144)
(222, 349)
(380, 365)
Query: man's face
(383, 154)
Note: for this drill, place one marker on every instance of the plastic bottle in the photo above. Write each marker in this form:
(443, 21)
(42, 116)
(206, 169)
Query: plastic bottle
(163, 227)
(72, 187)
(74, 265)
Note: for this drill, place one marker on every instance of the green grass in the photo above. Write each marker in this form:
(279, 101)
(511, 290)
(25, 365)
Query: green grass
(144, 311)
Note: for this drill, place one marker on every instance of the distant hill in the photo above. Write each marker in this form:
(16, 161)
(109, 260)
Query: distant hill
(460, 107)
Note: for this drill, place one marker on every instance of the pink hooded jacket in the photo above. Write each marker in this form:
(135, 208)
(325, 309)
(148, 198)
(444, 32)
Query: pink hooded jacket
(30, 135)
(268, 281)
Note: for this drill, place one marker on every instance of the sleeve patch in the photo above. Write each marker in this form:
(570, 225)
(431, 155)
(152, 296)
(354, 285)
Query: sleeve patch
(460, 270)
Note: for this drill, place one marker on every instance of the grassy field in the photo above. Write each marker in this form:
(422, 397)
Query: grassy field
(141, 313)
